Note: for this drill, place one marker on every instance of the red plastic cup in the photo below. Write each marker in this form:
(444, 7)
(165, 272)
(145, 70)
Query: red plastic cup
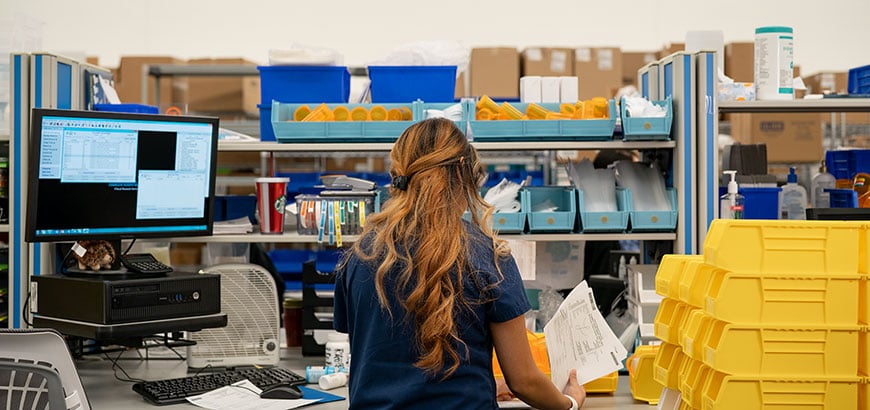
(271, 198)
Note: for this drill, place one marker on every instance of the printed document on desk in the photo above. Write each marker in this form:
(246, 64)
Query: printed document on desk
(578, 338)
(243, 395)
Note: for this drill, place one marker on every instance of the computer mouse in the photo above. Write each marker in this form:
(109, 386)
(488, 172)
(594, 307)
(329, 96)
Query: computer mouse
(281, 391)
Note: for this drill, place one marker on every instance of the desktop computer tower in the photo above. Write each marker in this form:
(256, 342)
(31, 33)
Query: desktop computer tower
(127, 299)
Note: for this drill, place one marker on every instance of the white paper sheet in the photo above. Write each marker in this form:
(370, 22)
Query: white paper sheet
(578, 338)
(237, 396)
(524, 254)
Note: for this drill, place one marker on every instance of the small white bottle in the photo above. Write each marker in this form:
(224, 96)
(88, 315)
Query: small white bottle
(731, 203)
(794, 199)
(821, 181)
(338, 350)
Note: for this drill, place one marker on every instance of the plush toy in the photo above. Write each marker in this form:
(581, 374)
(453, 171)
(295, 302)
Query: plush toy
(97, 255)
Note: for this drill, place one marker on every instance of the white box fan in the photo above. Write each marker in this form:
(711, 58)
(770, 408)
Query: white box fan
(250, 300)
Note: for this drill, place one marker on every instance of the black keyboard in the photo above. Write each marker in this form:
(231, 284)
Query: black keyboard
(173, 391)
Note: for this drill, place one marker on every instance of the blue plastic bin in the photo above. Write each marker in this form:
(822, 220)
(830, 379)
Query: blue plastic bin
(289, 261)
(643, 128)
(304, 84)
(227, 207)
(399, 84)
(563, 219)
(859, 80)
(843, 198)
(131, 108)
(614, 221)
(266, 131)
(760, 202)
(653, 221)
(844, 164)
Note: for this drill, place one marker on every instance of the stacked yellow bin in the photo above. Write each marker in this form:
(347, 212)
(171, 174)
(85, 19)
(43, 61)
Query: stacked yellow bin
(773, 315)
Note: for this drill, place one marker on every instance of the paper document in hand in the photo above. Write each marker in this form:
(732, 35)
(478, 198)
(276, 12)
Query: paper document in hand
(578, 338)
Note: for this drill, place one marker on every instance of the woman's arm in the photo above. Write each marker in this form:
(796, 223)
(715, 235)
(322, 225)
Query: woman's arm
(523, 377)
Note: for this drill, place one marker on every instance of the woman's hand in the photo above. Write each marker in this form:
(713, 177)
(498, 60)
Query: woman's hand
(574, 388)
(502, 392)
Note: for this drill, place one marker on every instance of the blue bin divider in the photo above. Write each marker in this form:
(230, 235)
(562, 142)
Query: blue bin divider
(304, 84)
(227, 207)
(134, 108)
(395, 84)
(563, 219)
(759, 202)
(844, 164)
(843, 198)
(266, 131)
(613, 221)
(289, 261)
(287, 130)
(642, 221)
(541, 130)
(859, 80)
(643, 128)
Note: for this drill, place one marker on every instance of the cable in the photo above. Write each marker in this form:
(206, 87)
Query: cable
(129, 247)
(24, 310)
(116, 367)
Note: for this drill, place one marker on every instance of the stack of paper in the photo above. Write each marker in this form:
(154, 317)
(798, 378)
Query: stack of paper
(233, 226)
(578, 338)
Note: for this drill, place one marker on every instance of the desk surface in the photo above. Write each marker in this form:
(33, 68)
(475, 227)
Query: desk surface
(104, 391)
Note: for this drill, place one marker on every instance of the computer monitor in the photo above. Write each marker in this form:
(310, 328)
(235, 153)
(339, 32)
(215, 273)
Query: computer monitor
(113, 176)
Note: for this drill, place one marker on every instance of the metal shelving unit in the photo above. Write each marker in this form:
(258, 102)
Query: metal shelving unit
(797, 106)
(293, 237)
(481, 146)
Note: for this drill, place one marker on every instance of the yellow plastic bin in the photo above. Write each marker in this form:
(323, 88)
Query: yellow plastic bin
(640, 374)
(669, 319)
(805, 299)
(729, 392)
(666, 368)
(864, 300)
(669, 272)
(694, 334)
(605, 384)
(693, 283)
(864, 354)
(781, 350)
(693, 375)
(783, 246)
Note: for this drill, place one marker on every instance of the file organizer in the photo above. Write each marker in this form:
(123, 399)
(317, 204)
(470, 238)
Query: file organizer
(647, 128)
(646, 221)
(612, 221)
(287, 130)
(315, 305)
(332, 214)
(541, 130)
(562, 219)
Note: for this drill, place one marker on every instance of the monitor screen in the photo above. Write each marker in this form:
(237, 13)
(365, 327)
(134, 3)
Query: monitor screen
(100, 175)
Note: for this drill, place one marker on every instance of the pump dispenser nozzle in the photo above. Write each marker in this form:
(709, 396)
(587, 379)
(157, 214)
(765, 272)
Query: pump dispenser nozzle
(732, 184)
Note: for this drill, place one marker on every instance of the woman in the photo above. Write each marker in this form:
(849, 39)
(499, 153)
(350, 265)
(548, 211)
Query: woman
(425, 295)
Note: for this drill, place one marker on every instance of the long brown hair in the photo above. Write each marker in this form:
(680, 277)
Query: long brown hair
(440, 174)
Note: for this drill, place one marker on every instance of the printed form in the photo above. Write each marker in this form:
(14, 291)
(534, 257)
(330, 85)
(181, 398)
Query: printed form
(578, 338)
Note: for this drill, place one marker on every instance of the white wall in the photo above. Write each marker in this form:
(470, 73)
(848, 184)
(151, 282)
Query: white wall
(829, 35)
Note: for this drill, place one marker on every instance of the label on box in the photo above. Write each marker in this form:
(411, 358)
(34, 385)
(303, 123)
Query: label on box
(534, 54)
(605, 59)
(828, 82)
(558, 61)
(583, 54)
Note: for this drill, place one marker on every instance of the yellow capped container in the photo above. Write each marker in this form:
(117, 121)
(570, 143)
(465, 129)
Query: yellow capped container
(600, 108)
(394, 114)
(732, 392)
(670, 317)
(484, 114)
(341, 113)
(667, 365)
(359, 113)
(378, 113)
(536, 112)
(693, 375)
(640, 366)
(487, 103)
(319, 114)
(782, 350)
(783, 246)
(509, 112)
(301, 112)
(669, 272)
(557, 116)
(406, 114)
(567, 108)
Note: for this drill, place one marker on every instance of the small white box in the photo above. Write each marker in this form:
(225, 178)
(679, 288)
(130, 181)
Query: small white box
(568, 89)
(530, 89)
(550, 89)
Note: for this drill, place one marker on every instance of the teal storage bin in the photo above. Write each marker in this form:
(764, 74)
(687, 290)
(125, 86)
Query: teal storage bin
(653, 221)
(506, 222)
(563, 219)
(398, 84)
(289, 131)
(614, 221)
(541, 130)
(645, 129)
(422, 107)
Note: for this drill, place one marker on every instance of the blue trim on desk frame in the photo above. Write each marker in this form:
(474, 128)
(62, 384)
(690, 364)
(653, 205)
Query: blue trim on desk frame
(712, 145)
(687, 153)
(15, 306)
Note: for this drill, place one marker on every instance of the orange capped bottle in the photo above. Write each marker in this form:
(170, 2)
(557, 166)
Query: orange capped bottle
(341, 113)
(509, 112)
(301, 112)
(536, 112)
(378, 113)
(488, 103)
(359, 114)
(321, 113)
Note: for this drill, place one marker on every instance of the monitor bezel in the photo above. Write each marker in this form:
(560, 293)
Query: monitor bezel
(32, 180)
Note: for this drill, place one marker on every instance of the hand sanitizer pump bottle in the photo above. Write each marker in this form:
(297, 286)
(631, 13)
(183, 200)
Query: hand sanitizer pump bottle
(794, 199)
(731, 204)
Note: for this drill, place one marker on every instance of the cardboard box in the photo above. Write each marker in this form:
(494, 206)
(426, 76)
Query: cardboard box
(789, 137)
(599, 71)
(633, 61)
(740, 61)
(495, 71)
(461, 86)
(128, 81)
(827, 82)
(222, 94)
(548, 61)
